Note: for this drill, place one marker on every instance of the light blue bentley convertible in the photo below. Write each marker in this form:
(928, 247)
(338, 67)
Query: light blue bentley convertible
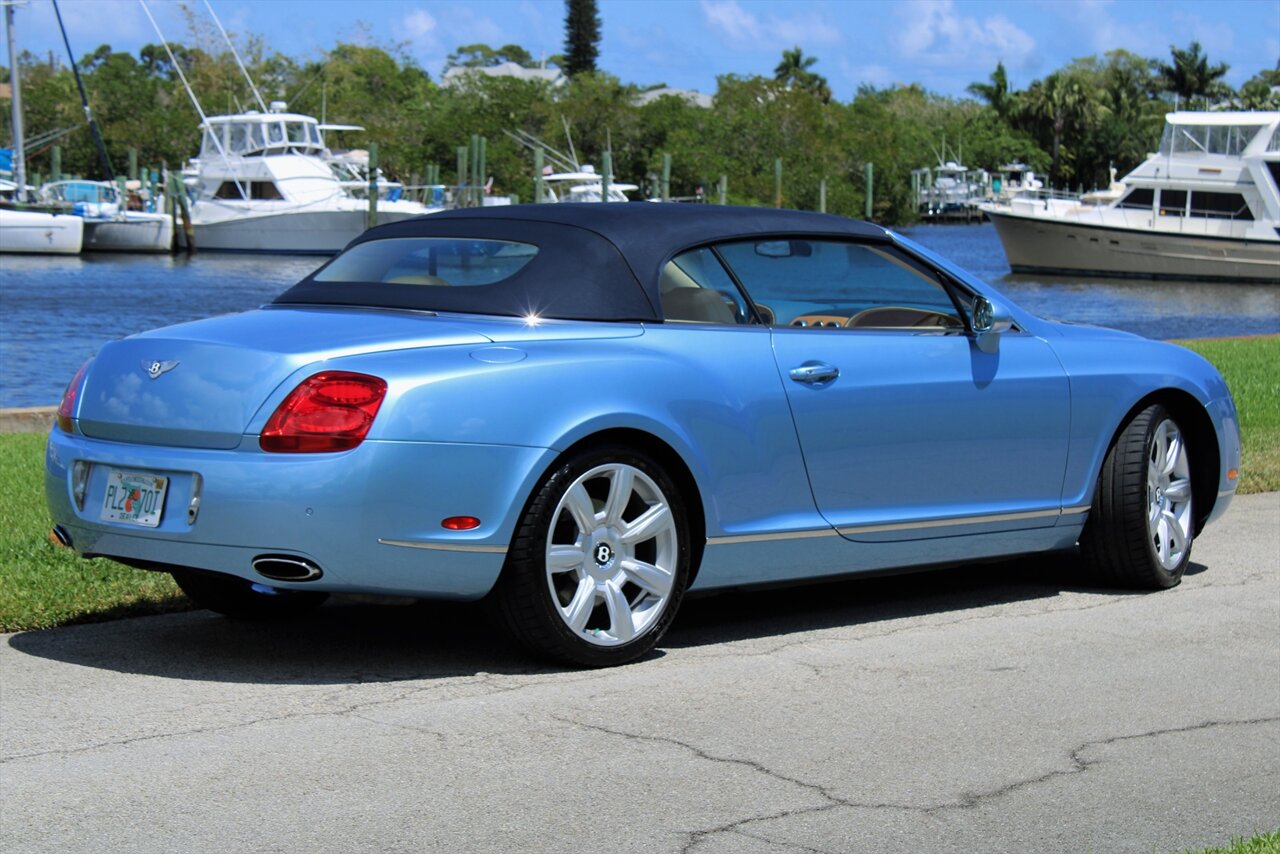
(583, 412)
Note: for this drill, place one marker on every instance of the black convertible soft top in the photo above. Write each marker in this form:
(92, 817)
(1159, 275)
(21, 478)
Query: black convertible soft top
(594, 262)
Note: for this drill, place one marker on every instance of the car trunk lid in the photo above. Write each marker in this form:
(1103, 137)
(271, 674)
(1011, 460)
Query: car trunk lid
(199, 385)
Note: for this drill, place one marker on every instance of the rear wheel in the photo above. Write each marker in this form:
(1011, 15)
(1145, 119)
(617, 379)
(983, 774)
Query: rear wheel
(1141, 524)
(238, 597)
(600, 561)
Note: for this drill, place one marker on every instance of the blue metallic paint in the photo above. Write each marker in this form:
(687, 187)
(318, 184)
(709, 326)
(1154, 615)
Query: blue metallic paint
(915, 430)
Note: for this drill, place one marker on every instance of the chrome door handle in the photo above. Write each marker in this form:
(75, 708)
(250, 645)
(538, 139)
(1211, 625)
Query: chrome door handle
(814, 373)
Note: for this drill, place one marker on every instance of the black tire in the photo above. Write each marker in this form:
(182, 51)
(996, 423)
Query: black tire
(236, 597)
(533, 598)
(1118, 544)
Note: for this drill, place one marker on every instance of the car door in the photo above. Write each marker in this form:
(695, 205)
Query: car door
(908, 429)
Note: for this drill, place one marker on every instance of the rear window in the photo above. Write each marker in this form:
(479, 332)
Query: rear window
(429, 262)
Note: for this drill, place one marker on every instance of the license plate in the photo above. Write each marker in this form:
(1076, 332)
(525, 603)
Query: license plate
(134, 497)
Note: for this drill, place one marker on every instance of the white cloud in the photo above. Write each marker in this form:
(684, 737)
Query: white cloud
(743, 29)
(419, 24)
(935, 32)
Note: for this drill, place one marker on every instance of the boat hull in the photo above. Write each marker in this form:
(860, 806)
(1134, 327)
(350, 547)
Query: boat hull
(300, 233)
(153, 234)
(1048, 246)
(40, 233)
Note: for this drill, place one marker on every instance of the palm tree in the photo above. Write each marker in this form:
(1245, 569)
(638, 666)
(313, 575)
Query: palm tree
(996, 93)
(793, 71)
(1190, 73)
(1066, 103)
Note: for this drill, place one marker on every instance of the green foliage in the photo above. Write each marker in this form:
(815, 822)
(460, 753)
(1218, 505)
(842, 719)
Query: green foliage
(1190, 74)
(1073, 123)
(794, 71)
(483, 56)
(581, 37)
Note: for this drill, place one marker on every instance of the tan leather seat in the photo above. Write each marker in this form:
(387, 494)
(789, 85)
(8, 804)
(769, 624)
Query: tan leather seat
(696, 305)
(417, 280)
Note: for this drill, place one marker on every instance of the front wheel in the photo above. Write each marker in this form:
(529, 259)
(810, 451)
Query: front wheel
(600, 561)
(1141, 524)
(237, 597)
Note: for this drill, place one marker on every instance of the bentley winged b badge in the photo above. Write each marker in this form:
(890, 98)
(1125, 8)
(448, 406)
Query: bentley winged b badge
(155, 369)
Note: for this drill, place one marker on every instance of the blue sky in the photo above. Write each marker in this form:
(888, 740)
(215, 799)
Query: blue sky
(942, 44)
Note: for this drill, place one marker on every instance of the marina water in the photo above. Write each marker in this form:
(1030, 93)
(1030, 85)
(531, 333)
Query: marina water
(56, 311)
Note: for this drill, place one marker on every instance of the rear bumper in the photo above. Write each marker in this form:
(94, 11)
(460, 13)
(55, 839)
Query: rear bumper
(369, 517)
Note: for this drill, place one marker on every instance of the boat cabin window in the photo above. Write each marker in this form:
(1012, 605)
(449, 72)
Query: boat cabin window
(1220, 206)
(1274, 144)
(1230, 140)
(1173, 202)
(255, 189)
(297, 132)
(1139, 197)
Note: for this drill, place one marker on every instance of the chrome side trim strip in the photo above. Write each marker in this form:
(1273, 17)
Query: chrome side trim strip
(952, 522)
(1224, 493)
(445, 547)
(761, 538)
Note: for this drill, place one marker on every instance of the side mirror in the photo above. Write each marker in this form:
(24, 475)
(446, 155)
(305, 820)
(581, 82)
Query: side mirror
(990, 319)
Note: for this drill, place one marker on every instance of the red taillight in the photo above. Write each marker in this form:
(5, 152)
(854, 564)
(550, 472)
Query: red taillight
(332, 411)
(67, 408)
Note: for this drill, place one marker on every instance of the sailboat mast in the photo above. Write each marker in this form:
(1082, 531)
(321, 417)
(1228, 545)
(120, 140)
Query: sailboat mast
(19, 153)
(84, 101)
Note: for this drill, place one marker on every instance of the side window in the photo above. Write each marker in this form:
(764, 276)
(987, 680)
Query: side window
(836, 285)
(697, 289)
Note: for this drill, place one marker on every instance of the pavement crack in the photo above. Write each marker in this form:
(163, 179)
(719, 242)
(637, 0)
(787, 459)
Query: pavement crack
(1079, 764)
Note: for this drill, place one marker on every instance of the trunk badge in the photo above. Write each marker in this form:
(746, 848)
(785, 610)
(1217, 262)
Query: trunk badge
(155, 369)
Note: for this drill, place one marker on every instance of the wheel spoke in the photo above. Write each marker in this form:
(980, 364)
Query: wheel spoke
(560, 558)
(1162, 537)
(1159, 447)
(578, 502)
(1174, 528)
(1178, 490)
(583, 603)
(652, 578)
(622, 625)
(620, 486)
(1172, 453)
(647, 525)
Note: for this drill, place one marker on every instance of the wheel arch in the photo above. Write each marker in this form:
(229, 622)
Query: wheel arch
(1206, 459)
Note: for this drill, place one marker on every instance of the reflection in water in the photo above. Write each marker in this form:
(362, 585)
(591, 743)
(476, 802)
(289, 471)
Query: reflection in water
(55, 312)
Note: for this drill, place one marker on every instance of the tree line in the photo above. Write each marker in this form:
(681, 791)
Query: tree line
(1070, 125)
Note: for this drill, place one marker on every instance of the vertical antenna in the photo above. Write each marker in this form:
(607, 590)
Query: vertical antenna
(236, 54)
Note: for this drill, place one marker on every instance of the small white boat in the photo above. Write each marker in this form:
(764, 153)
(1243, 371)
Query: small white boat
(585, 185)
(40, 233)
(109, 225)
(1206, 206)
(265, 182)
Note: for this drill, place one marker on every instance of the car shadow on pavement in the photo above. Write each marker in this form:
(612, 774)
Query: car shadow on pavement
(350, 641)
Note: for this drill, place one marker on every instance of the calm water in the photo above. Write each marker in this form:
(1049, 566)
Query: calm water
(56, 312)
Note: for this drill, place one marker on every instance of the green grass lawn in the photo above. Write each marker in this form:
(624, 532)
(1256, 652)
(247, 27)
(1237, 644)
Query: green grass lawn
(42, 585)
(1251, 367)
(1264, 843)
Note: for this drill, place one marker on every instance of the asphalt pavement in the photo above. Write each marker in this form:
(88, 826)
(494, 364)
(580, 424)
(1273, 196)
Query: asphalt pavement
(1006, 707)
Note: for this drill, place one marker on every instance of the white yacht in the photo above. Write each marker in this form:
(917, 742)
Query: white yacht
(1206, 206)
(40, 233)
(110, 224)
(264, 182)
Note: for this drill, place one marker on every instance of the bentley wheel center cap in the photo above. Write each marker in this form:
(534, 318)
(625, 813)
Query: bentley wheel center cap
(603, 554)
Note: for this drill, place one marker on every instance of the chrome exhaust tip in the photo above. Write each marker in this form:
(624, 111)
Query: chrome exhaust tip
(286, 568)
(60, 536)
